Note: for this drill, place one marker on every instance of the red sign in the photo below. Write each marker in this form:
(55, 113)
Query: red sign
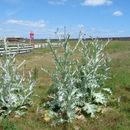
(31, 35)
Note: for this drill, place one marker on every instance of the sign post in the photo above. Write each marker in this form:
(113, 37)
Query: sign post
(31, 36)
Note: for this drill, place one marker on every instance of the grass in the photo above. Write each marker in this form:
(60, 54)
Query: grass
(117, 119)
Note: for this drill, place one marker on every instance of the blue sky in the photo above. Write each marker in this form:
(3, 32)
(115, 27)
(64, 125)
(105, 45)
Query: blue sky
(102, 18)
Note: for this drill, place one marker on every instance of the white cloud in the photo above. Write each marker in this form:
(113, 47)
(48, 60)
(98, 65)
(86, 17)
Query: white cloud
(95, 32)
(118, 13)
(40, 23)
(96, 2)
(61, 2)
(121, 31)
(80, 26)
(49, 32)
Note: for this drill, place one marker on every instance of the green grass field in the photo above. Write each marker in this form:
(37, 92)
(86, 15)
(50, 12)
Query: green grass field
(116, 119)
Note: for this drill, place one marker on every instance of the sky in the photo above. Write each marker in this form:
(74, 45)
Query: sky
(96, 18)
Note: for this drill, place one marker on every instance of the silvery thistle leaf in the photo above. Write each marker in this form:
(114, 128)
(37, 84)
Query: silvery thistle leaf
(90, 109)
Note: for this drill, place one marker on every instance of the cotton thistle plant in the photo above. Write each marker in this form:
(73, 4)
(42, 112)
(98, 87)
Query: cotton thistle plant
(93, 72)
(78, 84)
(15, 89)
(64, 98)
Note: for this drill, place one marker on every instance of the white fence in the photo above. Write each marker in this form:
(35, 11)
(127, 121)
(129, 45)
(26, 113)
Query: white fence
(20, 48)
(16, 48)
(43, 45)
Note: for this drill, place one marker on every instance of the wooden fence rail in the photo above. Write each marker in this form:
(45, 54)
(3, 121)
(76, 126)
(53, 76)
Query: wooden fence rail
(20, 48)
(43, 45)
(16, 48)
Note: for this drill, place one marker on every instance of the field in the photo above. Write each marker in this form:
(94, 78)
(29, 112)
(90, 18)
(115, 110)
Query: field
(116, 119)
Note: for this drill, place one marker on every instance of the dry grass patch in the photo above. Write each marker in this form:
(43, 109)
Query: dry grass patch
(120, 55)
